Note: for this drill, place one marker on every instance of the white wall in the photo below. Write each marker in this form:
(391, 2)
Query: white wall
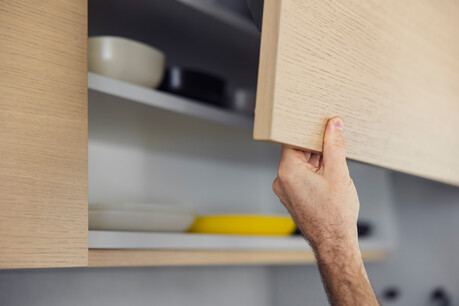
(140, 154)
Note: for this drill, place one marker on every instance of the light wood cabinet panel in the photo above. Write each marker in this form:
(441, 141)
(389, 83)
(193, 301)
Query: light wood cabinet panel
(43, 133)
(389, 68)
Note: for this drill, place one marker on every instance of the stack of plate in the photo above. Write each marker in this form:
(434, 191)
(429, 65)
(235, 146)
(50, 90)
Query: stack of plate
(140, 217)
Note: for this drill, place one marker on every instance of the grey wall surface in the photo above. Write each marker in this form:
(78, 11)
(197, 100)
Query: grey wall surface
(136, 287)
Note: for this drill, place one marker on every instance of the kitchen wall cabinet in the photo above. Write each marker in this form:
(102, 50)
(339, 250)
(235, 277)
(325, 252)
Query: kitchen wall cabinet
(392, 76)
(43, 134)
(389, 68)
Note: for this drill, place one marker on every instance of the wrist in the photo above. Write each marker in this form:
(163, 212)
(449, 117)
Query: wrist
(342, 249)
(335, 241)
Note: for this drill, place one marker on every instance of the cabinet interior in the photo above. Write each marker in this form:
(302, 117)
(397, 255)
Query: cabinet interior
(143, 153)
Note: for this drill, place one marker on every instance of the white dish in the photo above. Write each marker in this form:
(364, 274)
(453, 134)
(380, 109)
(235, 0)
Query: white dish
(140, 217)
(126, 60)
(147, 207)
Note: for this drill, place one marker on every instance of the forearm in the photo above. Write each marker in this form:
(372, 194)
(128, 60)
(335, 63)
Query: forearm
(343, 273)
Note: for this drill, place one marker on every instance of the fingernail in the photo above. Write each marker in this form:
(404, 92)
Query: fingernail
(339, 124)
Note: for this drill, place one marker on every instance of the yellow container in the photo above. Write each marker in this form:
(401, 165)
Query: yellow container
(243, 225)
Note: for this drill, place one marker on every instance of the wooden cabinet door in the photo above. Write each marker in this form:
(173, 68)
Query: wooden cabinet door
(389, 68)
(43, 133)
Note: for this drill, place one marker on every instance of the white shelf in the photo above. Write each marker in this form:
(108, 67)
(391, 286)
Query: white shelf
(110, 88)
(184, 241)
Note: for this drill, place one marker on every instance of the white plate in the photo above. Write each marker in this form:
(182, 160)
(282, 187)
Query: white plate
(140, 217)
(147, 207)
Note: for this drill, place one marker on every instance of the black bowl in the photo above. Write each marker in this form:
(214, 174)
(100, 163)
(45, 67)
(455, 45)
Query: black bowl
(193, 84)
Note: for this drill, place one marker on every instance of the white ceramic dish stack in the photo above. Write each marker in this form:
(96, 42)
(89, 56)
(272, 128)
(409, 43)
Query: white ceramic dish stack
(140, 217)
(126, 60)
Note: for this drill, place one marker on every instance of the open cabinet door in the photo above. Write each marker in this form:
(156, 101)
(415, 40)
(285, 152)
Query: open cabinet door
(43, 134)
(389, 68)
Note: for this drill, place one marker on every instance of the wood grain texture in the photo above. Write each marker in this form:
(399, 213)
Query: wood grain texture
(389, 68)
(126, 258)
(43, 134)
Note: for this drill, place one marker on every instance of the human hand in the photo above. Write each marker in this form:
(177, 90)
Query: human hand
(323, 201)
(318, 191)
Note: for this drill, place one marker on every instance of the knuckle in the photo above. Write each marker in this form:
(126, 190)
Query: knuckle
(282, 173)
(285, 174)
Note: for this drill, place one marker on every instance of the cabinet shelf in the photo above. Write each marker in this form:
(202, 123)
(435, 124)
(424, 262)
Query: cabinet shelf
(162, 249)
(101, 87)
(132, 258)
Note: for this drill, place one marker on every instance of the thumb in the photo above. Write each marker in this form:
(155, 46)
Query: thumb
(334, 148)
